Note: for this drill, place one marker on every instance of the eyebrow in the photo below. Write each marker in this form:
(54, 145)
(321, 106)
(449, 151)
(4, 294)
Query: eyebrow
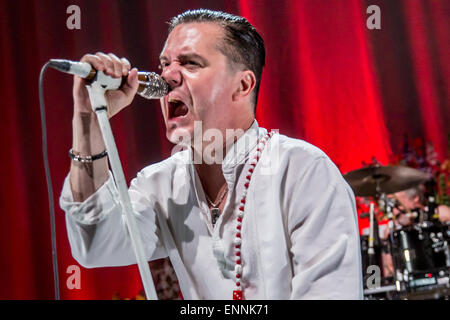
(187, 56)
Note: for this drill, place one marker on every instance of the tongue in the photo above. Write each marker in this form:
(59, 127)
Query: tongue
(180, 110)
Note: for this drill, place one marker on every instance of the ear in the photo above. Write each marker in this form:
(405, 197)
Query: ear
(245, 85)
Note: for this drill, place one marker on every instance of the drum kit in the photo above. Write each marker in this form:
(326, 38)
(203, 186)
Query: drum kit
(418, 253)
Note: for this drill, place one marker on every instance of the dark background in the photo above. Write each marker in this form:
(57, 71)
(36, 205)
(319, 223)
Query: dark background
(354, 92)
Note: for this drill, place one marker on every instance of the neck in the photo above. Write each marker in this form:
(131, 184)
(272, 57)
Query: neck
(212, 179)
(211, 175)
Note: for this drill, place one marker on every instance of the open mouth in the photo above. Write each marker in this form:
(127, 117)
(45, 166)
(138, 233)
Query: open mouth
(177, 108)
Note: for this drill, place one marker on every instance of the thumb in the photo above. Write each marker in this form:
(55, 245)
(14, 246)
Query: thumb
(132, 84)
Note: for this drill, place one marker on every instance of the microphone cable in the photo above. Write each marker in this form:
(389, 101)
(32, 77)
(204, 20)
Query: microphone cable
(49, 182)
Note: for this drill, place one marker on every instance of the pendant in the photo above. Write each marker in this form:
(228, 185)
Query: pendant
(215, 213)
(237, 295)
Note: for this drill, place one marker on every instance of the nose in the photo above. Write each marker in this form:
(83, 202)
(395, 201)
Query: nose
(172, 75)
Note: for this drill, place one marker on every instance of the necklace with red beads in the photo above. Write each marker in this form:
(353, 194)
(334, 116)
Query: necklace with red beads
(238, 293)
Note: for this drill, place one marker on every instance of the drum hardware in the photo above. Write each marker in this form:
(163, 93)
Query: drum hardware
(371, 244)
(425, 258)
(447, 253)
(420, 257)
(382, 289)
(398, 276)
(420, 252)
(430, 209)
(432, 293)
(406, 251)
(371, 251)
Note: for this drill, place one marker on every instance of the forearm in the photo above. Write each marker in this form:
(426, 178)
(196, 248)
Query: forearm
(86, 178)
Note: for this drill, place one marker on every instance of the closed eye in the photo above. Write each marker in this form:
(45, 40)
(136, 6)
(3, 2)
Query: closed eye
(190, 64)
(164, 65)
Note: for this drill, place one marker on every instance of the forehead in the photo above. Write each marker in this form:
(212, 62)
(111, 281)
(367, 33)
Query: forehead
(199, 37)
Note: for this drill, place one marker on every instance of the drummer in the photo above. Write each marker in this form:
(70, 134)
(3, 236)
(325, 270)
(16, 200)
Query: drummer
(410, 200)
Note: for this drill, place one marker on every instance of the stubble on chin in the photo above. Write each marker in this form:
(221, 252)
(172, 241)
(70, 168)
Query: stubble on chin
(179, 136)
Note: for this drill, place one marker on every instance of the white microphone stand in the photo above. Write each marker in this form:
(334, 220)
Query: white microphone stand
(97, 89)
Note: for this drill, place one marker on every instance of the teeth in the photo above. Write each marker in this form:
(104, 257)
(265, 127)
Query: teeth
(173, 100)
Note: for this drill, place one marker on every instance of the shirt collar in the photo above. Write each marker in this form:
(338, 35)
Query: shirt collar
(238, 152)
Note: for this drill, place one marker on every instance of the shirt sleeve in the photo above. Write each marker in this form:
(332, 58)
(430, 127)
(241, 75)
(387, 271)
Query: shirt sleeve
(324, 235)
(97, 231)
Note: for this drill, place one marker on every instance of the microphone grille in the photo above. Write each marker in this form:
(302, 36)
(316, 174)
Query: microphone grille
(155, 87)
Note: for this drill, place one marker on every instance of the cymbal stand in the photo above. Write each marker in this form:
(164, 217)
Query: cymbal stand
(370, 250)
(398, 276)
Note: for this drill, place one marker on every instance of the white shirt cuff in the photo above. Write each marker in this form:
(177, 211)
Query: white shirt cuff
(95, 208)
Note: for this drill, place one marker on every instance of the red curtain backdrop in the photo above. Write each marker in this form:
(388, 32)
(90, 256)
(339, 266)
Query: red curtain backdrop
(354, 92)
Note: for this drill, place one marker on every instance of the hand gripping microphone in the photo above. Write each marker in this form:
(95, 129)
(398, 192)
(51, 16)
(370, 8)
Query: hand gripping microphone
(151, 85)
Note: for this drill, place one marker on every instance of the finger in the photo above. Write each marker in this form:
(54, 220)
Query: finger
(117, 64)
(109, 65)
(126, 66)
(94, 61)
(130, 87)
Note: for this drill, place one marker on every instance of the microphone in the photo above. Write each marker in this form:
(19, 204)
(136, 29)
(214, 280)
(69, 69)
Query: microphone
(151, 85)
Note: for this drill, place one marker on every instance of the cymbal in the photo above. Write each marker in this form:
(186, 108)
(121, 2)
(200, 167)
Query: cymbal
(372, 181)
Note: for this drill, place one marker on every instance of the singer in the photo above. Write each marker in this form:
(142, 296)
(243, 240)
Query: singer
(270, 219)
